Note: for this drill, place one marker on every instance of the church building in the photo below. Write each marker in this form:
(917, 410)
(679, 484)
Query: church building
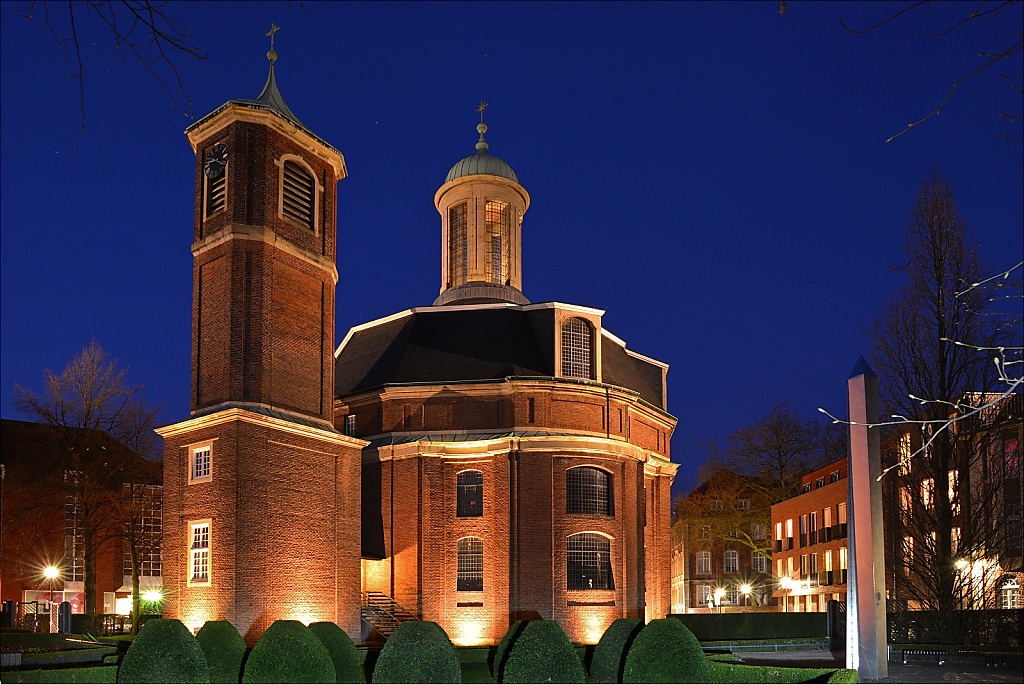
(473, 462)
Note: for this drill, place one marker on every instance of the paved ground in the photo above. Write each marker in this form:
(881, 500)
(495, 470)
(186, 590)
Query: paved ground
(898, 672)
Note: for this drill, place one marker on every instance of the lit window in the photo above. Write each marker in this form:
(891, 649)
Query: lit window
(732, 561)
(147, 527)
(758, 562)
(298, 194)
(903, 453)
(703, 562)
(350, 425)
(954, 540)
(200, 463)
(471, 564)
(703, 594)
(906, 504)
(199, 552)
(789, 528)
(1009, 594)
(589, 565)
(576, 349)
(458, 245)
(954, 488)
(778, 531)
(499, 232)
(842, 514)
(588, 491)
(470, 484)
(814, 564)
(927, 492)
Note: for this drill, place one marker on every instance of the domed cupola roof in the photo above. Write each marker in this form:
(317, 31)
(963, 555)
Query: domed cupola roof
(481, 163)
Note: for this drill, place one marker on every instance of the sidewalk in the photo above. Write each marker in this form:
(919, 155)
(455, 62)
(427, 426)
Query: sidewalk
(898, 672)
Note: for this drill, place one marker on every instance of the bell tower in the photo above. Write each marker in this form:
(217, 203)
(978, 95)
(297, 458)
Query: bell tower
(261, 492)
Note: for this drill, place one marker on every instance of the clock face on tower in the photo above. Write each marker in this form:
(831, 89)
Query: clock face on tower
(215, 159)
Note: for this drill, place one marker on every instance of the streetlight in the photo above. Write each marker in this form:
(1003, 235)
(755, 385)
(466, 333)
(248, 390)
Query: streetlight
(787, 585)
(745, 590)
(719, 593)
(51, 573)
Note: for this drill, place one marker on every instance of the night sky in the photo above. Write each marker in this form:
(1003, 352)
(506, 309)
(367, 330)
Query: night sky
(714, 176)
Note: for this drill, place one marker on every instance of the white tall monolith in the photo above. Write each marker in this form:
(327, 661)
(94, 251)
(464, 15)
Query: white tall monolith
(866, 640)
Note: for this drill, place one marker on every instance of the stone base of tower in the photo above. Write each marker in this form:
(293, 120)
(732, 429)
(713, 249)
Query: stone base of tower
(278, 498)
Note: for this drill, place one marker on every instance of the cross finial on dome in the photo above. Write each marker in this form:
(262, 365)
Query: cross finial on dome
(481, 128)
(271, 55)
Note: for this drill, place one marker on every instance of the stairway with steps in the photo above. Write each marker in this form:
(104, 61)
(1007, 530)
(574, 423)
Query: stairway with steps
(382, 613)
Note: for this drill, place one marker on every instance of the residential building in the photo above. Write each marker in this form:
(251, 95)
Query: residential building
(809, 551)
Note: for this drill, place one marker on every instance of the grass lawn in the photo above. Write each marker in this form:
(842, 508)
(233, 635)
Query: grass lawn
(106, 673)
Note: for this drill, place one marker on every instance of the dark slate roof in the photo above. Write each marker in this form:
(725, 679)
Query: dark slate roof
(435, 345)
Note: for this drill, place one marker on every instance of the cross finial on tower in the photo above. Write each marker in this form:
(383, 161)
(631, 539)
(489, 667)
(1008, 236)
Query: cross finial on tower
(481, 108)
(271, 55)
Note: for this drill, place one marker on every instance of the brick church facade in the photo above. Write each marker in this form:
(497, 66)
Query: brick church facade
(473, 462)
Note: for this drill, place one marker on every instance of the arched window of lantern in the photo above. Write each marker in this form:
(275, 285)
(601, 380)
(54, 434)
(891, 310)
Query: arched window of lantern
(588, 562)
(498, 216)
(298, 199)
(470, 564)
(470, 494)
(588, 491)
(458, 244)
(577, 349)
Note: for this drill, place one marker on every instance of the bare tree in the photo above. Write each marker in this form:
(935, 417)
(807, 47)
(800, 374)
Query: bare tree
(97, 419)
(937, 386)
(985, 11)
(142, 29)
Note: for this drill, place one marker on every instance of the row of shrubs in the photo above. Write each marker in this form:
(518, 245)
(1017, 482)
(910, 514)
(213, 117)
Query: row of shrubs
(419, 651)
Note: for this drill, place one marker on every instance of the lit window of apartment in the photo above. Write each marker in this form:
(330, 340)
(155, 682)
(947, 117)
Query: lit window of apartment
(813, 527)
(703, 562)
(200, 463)
(813, 569)
(789, 566)
(954, 491)
(903, 453)
(199, 552)
(803, 530)
(842, 564)
(842, 514)
(954, 540)
(906, 503)
(732, 561)
(803, 566)
(778, 568)
(927, 492)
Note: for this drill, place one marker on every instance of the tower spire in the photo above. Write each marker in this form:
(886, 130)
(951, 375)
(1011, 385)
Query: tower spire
(481, 128)
(270, 95)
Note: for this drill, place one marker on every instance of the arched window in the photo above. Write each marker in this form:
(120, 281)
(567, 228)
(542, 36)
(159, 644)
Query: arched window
(588, 491)
(588, 562)
(458, 244)
(1009, 594)
(470, 484)
(577, 357)
(499, 230)
(471, 564)
(298, 194)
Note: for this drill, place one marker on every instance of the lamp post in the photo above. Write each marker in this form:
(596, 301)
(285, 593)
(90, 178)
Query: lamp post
(51, 573)
(787, 586)
(745, 590)
(719, 593)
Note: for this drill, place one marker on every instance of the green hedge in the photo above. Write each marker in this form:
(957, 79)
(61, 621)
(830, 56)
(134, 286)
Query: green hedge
(501, 655)
(288, 652)
(348, 665)
(224, 649)
(610, 655)
(418, 651)
(741, 626)
(164, 651)
(542, 653)
(666, 651)
(762, 674)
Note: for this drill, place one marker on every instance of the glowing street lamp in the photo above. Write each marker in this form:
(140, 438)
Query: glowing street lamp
(51, 573)
(745, 590)
(787, 584)
(719, 593)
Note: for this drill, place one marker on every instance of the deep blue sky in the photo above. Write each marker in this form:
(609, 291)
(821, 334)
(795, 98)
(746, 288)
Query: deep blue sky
(714, 176)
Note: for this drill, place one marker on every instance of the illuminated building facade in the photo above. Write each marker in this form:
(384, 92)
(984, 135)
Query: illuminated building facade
(809, 551)
(473, 462)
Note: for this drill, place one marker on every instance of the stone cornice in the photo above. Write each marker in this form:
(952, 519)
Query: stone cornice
(240, 231)
(233, 414)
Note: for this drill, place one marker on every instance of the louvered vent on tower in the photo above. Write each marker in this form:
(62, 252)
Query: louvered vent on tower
(216, 194)
(297, 194)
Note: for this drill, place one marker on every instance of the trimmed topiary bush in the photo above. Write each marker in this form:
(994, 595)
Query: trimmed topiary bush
(610, 655)
(164, 651)
(224, 649)
(498, 664)
(666, 651)
(288, 652)
(542, 653)
(418, 651)
(348, 666)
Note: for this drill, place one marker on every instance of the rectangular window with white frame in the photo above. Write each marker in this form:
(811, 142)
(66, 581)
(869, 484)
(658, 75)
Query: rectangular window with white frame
(732, 561)
(703, 562)
(200, 463)
(199, 553)
(758, 562)
(350, 425)
(703, 594)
